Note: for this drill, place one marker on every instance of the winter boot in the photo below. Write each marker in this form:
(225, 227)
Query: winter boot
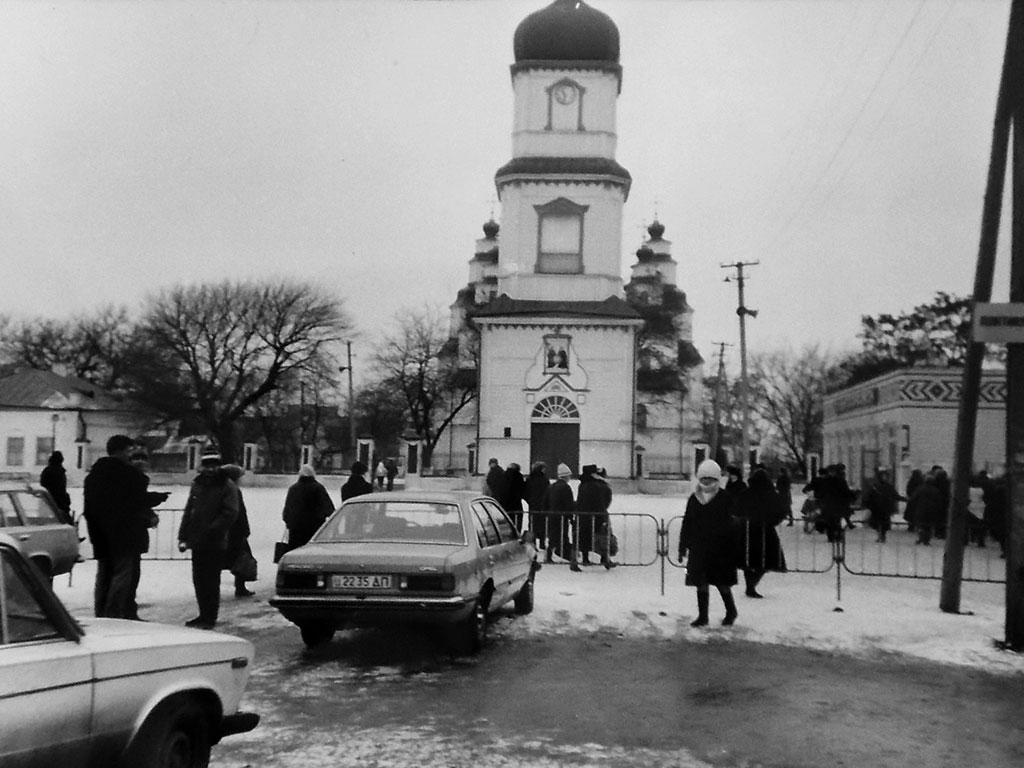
(703, 602)
(752, 578)
(730, 606)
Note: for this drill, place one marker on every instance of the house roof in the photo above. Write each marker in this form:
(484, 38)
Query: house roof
(30, 388)
(504, 306)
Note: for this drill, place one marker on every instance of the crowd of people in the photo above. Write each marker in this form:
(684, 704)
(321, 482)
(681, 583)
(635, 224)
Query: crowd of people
(729, 525)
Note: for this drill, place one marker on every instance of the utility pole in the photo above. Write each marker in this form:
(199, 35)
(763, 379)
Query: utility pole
(1009, 115)
(742, 312)
(351, 400)
(716, 435)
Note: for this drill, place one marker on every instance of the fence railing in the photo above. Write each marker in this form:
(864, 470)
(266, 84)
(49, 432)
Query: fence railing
(644, 540)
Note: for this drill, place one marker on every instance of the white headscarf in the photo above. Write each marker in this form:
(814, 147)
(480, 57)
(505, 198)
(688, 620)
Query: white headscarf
(706, 493)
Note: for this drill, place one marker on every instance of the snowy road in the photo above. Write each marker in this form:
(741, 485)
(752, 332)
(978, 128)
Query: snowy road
(891, 673)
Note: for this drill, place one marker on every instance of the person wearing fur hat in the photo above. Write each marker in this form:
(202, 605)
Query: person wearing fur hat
(210, 512)
(357, 484)
(707, 543)
(558, 498)
(594, 496)
(306, 506)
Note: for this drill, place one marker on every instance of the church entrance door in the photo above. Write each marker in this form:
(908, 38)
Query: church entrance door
(555, 443)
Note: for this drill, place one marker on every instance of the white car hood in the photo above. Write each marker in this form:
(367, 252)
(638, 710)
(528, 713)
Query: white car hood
(129, 647)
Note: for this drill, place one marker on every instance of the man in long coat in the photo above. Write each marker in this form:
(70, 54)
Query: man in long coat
(559, 498)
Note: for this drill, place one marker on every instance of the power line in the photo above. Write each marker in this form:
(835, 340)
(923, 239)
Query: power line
(784, 230)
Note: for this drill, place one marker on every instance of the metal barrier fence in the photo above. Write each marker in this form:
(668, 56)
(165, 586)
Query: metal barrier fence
(644, 540)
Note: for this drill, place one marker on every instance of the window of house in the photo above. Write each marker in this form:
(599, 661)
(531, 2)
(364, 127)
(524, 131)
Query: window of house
(44, 447)
(560, 237)
(641, 416)
(15, 451)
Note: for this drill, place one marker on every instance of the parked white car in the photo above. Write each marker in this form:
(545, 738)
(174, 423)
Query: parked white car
(43, 533)
(109, 692)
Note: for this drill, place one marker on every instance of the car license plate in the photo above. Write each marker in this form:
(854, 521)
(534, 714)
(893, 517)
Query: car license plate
(360, 581)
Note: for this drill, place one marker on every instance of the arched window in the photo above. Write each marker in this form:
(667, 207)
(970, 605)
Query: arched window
(565, 105)
(560, 237)
(555, 407)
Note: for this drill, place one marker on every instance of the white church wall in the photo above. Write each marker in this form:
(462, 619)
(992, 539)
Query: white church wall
(602, 233)
(530, 135)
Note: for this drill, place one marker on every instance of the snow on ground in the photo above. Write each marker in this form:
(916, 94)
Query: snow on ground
(879, 615)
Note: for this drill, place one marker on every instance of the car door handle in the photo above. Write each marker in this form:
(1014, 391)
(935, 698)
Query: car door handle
(25, 537)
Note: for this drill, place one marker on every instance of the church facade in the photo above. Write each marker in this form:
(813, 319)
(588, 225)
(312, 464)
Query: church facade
(567, 362)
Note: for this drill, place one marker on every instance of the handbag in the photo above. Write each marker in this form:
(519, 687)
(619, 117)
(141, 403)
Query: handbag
(281, 547)
(245, 566)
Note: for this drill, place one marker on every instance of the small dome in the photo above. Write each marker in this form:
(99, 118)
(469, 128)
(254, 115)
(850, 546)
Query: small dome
(656, 230)
(644, 253)
(491, 229)
(567, 30)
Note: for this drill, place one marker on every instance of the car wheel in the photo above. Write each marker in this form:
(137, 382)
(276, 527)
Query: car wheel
(175, 735)
(471, 633)
(316, 634)
(524, 597)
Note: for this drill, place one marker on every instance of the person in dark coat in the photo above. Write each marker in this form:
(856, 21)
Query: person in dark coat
(707, 543)
(306, 506)
(559, 498)
(881, 500)
(494, 483)
(114, 504)
(994, 497)
(140, 460)
(925, 510)
(238, 535)
(54, 478)
(536, 486)
(515, 492)
(942, 482)
(834, 498)
(914, 482)
(734, 484)
(392, 471)
(784, 487)
(210, 512)
(357, 484)
(760, 509)
(592, 500)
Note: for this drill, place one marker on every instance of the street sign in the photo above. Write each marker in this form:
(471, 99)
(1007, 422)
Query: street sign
(999, 323)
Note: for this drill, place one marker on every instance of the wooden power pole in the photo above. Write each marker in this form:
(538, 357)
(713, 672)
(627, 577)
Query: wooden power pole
(1010, 330)
(742, 312)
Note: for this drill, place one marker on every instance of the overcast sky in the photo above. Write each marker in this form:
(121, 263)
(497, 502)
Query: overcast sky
(844, 144)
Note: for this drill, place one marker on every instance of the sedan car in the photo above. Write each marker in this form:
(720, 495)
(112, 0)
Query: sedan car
(43, 533)
(109, 692)
(438, 558)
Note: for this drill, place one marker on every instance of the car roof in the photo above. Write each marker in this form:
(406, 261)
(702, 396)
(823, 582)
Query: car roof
(425, 496)
(19, 485)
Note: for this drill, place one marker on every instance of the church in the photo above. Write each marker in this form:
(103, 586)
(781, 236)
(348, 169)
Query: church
(570, 364)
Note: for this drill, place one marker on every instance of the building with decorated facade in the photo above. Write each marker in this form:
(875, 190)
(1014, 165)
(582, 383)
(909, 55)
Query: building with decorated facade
(569, 363)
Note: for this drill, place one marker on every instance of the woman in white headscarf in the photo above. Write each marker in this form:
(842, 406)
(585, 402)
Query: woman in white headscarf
(707, 542)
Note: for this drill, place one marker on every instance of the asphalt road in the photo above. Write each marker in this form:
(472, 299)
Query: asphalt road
(375, 698)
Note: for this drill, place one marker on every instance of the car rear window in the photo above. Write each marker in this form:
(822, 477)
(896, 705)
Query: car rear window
(412, 521)
(36, 508)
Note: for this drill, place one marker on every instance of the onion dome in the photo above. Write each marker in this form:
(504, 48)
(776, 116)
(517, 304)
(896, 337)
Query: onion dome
(567, 30)
(491, 229)
(656, 230)
(644, 253)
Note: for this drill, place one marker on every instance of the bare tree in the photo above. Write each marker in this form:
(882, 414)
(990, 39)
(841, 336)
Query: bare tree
(788, 393)
(98, 347)
(228, 345)
(412, 361)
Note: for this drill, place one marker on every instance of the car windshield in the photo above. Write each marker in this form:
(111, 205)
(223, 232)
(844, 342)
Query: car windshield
(36, 508)
(422, 522)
